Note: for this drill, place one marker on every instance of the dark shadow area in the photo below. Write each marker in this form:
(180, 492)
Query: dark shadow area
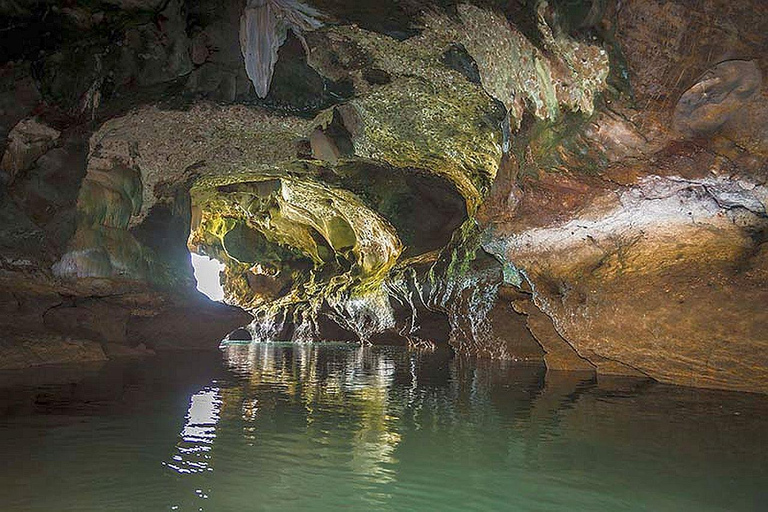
(391, 18)
(457, 58)
(434, 327)
(392, 338)
(165, 230)
(297, 88)
(424, 209)
(329, 329)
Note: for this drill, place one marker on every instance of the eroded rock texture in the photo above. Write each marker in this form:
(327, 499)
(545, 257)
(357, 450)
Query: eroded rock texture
(641, 230)
(581, 184)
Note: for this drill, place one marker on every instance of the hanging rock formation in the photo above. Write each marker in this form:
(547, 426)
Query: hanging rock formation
(264, 27)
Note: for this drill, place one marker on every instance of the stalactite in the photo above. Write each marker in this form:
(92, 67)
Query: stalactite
(264, 27)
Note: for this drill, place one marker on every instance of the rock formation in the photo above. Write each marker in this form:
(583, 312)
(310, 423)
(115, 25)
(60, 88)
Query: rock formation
(581, 184)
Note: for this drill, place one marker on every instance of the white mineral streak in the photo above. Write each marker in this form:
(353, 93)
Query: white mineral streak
(263, 29)
(657, 206)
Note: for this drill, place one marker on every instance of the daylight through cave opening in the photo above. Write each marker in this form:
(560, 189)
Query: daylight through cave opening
(208, 276)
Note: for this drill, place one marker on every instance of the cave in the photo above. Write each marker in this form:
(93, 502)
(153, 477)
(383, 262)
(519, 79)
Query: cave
(374, 247)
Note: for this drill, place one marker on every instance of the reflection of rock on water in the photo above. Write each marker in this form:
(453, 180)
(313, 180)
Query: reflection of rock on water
(353, 383)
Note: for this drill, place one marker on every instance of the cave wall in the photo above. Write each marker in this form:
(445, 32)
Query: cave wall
(641, 229)
(575, 183)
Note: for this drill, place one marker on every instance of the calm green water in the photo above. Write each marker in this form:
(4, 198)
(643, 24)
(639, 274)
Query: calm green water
(326, 428)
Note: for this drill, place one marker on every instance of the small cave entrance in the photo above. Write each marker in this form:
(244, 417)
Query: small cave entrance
(234, 261)
(433, 327)
(417, 326)
(329, 329)
(208, 276)
(432, 330)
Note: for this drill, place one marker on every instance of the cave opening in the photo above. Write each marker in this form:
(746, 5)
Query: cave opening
(207, 276)
(306, 256)
(391, 255)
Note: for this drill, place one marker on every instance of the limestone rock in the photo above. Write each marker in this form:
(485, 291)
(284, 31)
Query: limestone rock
(665, 53)
(149, 5)
(28, 141)
(18, 96)
(157, 52)
(264, 27)
(26, 352)
(646, 281)
(505, 180)
(720, 93)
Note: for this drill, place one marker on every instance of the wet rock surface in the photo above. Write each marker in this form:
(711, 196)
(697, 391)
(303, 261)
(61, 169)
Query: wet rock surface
(579, 183)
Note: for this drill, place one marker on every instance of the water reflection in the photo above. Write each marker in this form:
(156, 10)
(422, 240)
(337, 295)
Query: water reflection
(391, 429)
(317, 427)
(198, 434)
(353, 386)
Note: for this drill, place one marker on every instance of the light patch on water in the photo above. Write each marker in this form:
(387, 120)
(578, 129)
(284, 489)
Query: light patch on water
(197, 436)
(324, 428)
(202, 416)
(207, 275)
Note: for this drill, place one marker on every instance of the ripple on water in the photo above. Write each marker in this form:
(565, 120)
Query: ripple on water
(300, 427)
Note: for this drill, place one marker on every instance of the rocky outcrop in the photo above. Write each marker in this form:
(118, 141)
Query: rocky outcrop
(645, 276)
(641, 232)
(48, 321)
(28, 141)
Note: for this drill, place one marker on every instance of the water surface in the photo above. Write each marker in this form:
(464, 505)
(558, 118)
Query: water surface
(340, 427)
